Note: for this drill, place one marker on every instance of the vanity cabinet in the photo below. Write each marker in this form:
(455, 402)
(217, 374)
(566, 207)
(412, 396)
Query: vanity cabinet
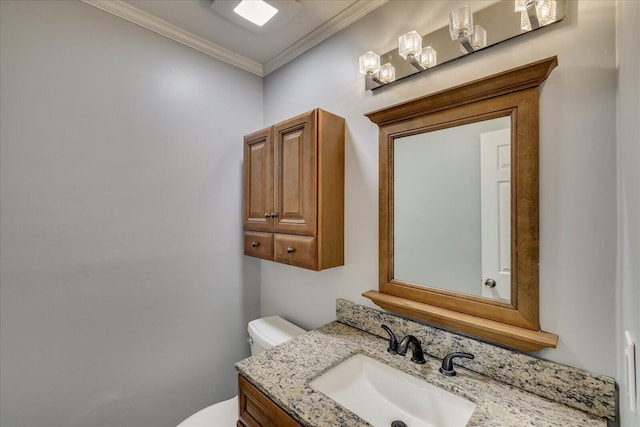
(294, 191)
(257, 410)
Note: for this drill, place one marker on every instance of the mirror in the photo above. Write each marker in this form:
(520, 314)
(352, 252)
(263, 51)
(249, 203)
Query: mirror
(432, 240)
(452, 208)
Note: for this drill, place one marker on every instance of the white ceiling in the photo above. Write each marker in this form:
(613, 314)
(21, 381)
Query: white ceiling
(196, 24)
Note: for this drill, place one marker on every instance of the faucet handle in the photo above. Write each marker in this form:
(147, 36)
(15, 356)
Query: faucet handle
(447, 363)
(393, 342)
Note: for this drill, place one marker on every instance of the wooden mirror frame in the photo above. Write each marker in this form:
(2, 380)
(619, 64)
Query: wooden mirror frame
(511, 93)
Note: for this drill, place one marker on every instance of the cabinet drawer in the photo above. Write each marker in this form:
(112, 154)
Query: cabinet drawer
(300, 251)
(258, 244)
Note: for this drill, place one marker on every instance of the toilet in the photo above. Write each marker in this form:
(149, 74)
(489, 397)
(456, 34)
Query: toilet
(264, 334)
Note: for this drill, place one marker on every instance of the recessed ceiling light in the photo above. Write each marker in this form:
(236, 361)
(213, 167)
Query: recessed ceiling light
(256, 11)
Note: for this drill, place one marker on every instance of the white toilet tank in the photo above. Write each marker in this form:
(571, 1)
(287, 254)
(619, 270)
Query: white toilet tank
(268, 332)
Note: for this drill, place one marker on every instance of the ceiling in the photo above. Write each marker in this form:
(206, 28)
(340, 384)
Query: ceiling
(196, 24)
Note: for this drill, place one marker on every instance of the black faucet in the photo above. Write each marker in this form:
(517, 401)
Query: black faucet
(393, 342)
(447, 362)
(416, 350)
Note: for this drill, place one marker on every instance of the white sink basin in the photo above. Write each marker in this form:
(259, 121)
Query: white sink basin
(381, 395)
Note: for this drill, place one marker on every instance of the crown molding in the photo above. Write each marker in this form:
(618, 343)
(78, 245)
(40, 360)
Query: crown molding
(323, 32)
(150, 22)
(136, 16)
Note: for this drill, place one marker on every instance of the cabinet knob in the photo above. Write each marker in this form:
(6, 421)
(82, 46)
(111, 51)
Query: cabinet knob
(490, 283)
(289, 250)
(274, 214)
(255, 244)
(267, 214)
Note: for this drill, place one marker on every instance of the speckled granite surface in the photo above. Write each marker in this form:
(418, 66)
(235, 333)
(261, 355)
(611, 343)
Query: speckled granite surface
(283, 374)
(573, 387)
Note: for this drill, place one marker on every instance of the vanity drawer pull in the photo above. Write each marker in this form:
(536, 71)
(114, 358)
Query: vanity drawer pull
(289, 250)
(255, 244)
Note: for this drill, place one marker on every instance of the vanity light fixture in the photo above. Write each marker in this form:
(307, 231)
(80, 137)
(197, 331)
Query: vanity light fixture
(416, 53)
(410, 47)
(536, 13)
(257, 11)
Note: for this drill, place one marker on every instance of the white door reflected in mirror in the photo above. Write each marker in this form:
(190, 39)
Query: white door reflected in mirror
(495, 202)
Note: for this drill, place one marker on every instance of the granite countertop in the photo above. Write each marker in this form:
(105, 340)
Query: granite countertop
(283, 373)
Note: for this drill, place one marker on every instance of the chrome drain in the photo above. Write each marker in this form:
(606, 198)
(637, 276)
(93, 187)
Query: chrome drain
(398, 423)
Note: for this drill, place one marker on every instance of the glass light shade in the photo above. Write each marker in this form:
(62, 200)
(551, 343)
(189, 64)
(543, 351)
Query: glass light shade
(545, 11)
(525, 24)
(410, 44)
(521, 5)
(387, 73)
(370, 63)
(428, 57)
(461, 22)
(479, 37)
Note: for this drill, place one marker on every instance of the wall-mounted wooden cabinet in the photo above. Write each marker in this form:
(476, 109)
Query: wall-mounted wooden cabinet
(294, 191)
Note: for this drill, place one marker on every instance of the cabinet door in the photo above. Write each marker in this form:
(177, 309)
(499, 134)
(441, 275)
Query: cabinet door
(295, 192)
(258, 181)
(257, 410)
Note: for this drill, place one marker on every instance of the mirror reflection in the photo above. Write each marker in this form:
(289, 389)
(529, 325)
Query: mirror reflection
(452, 209)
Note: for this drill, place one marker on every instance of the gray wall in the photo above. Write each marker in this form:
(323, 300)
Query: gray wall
(125, 294)
(577, 154)
(628, 283)
(120, 219)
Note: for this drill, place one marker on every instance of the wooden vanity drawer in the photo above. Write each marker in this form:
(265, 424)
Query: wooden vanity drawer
(257, 410)
(258, 244)
(301, 251)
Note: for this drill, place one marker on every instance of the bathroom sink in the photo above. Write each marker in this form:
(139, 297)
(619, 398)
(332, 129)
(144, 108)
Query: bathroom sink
(383, 395)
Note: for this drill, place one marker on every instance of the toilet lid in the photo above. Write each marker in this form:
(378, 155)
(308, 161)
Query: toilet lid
(223, 414)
